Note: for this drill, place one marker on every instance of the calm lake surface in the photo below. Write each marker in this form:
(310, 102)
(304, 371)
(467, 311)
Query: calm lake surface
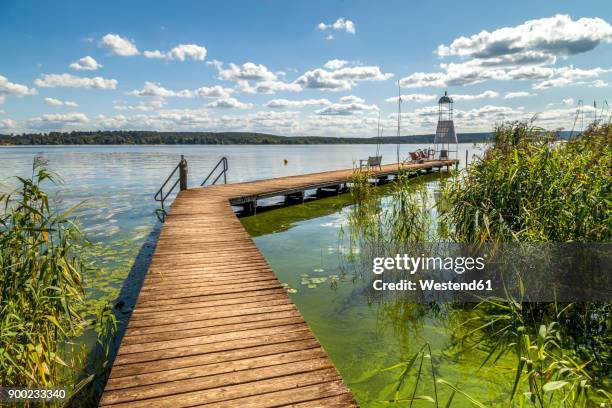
(116, 184)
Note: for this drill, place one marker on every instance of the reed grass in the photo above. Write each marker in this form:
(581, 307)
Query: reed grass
(42, 309)
(527, 187)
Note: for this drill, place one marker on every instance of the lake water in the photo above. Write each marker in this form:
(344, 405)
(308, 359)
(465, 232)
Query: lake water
(116, 184)
(365, 334)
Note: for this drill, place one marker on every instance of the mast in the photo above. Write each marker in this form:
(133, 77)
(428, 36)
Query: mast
(378, 135)
(399, 115)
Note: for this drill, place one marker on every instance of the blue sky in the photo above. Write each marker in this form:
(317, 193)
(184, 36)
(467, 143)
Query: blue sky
(298, 68)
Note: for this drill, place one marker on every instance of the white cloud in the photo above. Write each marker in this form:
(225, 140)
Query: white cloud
(523, 52)
(568, 101)
(285, 103)
(369, 73)
(351, 99)
(415, 97)
(141, 106)
(265, 80)
(355, 125)
(181, 52)
(340, 24)
(557, 35)
(571, 76)
(349, 108)
(216, 91)
(340, 79)
(7, 124)
(468, 74)
(86, 63)
(229, 103)
(246, 72)
(58, 121)
(58, 102)
(335, 64)
(483, 95)
(215, 63)
(153, 89)
(270, 87)
(598, 84)
(281, 122)
(8, 88)
(72, 81)
(119, 45)
(454, 75)
(323, 80)
(521, 94)
(169, 119)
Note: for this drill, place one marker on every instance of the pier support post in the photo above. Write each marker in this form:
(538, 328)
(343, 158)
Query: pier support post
(296, 196)
(183, 173)
(250, 207)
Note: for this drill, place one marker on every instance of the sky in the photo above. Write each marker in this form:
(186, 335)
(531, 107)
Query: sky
(327, 68)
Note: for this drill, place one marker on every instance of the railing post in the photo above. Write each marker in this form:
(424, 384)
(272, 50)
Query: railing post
(183, 173)
(225, 170)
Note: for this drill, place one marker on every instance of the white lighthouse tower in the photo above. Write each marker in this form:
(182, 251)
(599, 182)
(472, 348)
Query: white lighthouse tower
(445, 142)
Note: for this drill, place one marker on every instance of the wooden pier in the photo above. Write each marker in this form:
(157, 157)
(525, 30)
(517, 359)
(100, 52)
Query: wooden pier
(212, 325)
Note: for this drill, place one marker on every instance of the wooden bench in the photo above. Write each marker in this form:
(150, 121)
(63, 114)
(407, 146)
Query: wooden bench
(372, 161)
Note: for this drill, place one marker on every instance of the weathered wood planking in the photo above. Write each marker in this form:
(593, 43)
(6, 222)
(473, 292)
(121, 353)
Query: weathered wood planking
(212, 325)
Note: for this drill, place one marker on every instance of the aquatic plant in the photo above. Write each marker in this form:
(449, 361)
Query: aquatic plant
(547, 372)
(42, 308)
(405, 215)
(527, 189)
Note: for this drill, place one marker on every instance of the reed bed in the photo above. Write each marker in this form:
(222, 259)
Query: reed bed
(527, 187)
(42, 308)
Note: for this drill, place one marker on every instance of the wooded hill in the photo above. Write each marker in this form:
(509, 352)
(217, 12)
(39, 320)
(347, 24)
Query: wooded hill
(123, 137)
(129, 137)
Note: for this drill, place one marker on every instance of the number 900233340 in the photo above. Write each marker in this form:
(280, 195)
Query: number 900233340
(16, 394)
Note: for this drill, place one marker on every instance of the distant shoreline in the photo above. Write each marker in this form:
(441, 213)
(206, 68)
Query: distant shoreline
(106, 138)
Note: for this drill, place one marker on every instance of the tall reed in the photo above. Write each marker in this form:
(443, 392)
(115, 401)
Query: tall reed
(527, 188)
(42, 308)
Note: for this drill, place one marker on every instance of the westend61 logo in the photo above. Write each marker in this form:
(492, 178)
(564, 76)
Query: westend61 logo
(412, 264)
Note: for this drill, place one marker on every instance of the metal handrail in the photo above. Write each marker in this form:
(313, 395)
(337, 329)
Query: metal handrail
(160, 196)
(223, 172)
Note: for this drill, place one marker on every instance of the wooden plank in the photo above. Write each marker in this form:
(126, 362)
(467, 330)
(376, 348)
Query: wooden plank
(203, 370)
(226, 387)
(302, 342)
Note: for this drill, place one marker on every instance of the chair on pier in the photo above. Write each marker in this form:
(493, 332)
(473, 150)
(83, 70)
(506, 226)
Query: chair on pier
(371, 162)
(415, 157)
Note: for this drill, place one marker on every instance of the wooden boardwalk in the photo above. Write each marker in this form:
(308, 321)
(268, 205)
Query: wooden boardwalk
(212, 325)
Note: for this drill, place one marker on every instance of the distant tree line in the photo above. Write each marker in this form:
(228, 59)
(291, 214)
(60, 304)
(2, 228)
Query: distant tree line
(136, 137)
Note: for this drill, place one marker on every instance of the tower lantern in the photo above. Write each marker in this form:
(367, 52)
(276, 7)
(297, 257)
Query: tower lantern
(446, 139)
